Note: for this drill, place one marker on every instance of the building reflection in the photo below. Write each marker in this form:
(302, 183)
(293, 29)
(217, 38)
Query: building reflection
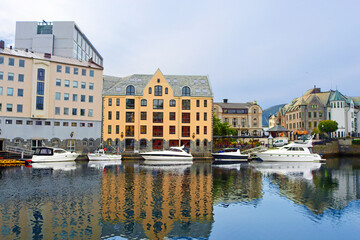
(331, 187)
(157, 202)
(236, 183)
(52, 205)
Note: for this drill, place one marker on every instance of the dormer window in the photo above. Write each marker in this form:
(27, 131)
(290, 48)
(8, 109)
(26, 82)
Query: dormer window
(185, 91)
(130, 90)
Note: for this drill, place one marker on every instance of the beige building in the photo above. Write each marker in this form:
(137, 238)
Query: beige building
(153, 112)
(245, 118)
(49, 100)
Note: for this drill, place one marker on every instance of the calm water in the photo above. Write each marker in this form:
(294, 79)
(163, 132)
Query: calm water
(133, 201)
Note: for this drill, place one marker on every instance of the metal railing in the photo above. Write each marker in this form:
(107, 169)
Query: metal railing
(19, 150)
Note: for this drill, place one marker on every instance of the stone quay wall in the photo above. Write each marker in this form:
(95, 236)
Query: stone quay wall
(340, 147)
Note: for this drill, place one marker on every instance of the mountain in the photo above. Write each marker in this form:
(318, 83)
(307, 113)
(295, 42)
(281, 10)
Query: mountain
(268, 112)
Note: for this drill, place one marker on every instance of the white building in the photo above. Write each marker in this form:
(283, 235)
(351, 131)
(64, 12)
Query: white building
(60, 38)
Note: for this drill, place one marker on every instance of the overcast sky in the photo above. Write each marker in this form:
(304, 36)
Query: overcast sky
(269, 51)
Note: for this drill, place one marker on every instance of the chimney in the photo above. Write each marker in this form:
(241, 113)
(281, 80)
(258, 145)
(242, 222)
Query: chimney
(10, 47)
(26, 50)
(225, 100)
(2, 44)
(47, 55)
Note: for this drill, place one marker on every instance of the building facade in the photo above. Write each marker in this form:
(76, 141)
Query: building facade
(49, 100)
(245, 118)
(303, 114)
(154, 112)
(59, 38)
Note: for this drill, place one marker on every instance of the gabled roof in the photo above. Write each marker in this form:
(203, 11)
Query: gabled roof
(199, 85)
(278, 128)
(234, 105)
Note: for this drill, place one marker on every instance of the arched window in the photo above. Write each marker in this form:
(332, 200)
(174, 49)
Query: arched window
(185, 91)
(158, 90)
(130, 90)
(166, 90)
(150, 90)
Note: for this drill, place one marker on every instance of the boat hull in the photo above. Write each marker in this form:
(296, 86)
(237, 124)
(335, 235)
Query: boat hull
(277, 157)
(230, 158)
(159, 159)
(94, 157)
(56, 158)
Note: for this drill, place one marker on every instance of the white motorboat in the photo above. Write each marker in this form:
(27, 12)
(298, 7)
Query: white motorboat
(293, 152)
(290, 169)
(230, 155)
(100, 155)
(173, 155)
(48, 154)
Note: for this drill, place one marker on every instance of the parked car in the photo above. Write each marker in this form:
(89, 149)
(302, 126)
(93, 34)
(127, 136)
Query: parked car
(280, 142)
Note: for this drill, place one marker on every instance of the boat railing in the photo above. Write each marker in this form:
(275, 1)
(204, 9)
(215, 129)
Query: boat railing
(19, 150)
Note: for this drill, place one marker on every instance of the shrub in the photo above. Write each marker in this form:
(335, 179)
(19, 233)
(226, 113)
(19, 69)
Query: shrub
(356, 141)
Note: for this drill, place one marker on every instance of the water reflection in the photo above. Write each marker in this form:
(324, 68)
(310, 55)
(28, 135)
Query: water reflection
(128, 199)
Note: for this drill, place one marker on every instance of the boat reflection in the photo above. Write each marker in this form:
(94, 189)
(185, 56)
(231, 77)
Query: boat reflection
(56, 166)
(290, 169)
(103, 164)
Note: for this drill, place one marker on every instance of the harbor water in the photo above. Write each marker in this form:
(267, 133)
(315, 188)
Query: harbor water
(130, 200)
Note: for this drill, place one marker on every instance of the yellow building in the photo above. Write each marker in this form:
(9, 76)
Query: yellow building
(146, 112)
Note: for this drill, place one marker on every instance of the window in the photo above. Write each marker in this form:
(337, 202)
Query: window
(66, 97)
(76, 71)
(1, 60)
(143, 102)
(74, 111)
(75, 84)
(91, 99)
(58, 82)
(171, 129)
(1, 91)
(185, 104)
(157, 117)
(11, 61)
(75, 97)
(158, 104)
(19, 108)
(143, 129)
(117, 130)
(20, 92)
(166, 90)
(172, 116)
(143, 143)
(83, 98)
(39, 123)
(21, 77)
(118, 102)
(67, 69)
(158, 90)
(157, 131)
(67, 83)
(185, 117)
(57, 96)
(143, 115)
(10, 91)
(58, 68)
(57, 111)
(109, 129)
(205, 103)
(129, 131)
(315, 115)
(8, 121)
(91, 86)
(1, 75)
(90, 112)
(197, 103)
(9, 107)
(197, 116)
(309, 114)
(91, 73)
(83, 72)
(40, 88)
(66, 111)
(110, 102)
(55, 123)
(10, 77)
(309, 124)
(205, 117)
(185, 91)
(130, 90)
(109, 115)
(150, 90)
(130, 117)
(185, 131)
(205, 130)
(130, 103)
(197, 130)
(172, 103)
(19, 122)
(117, 115)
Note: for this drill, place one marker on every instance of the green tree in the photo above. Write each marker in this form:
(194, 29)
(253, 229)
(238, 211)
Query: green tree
(222, 129)
(328, 126)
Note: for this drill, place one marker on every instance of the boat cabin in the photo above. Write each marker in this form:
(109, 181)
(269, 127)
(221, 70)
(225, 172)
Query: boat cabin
(46, 151)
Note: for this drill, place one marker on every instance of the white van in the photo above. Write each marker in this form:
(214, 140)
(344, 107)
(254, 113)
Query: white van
(280, 142)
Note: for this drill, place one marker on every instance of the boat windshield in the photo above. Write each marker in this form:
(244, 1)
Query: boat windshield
(43, 151)
(60, 151)
(230, 150)
(174, 150)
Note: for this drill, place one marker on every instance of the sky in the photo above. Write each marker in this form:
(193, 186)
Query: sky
(268, 51)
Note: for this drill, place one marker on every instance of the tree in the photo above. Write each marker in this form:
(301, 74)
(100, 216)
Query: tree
(328, 126)
(222, 129)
